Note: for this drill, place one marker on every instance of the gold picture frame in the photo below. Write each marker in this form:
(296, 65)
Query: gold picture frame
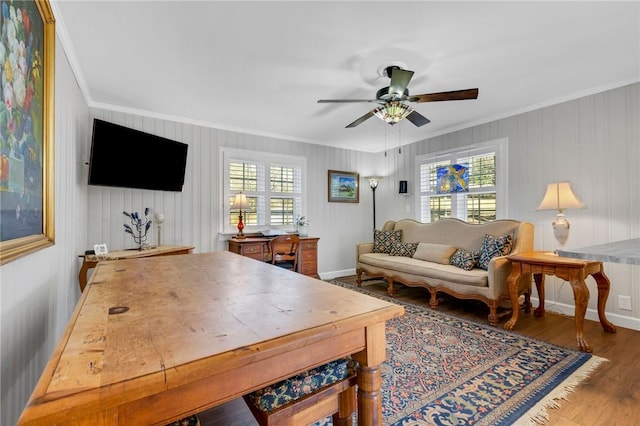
(344, 187)
(26, 130)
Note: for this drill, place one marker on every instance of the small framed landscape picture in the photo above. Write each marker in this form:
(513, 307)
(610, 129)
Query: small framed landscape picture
(343, 187)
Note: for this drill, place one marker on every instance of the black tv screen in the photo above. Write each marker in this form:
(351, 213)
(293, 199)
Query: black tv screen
(128, 158)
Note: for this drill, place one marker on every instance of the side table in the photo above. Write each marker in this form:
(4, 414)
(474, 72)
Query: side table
(90, 261)
(574, 271)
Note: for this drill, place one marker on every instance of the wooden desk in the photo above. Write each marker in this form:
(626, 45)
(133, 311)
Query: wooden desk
(258, 248)
(156, 339)
(90, 261)
(575, 271)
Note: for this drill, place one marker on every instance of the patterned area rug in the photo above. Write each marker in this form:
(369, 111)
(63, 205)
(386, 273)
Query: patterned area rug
(443, 370)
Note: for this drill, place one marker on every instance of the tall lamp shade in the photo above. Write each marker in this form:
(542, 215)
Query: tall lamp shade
(240, 203)
(560, 196)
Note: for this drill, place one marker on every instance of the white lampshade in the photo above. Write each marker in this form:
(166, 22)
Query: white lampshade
(373, 181)
(560, 196)
(240, 202)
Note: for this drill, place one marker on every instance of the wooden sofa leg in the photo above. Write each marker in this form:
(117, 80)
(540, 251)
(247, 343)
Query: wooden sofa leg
(359, 277)
(433, 301)
(390, 289)
(493, 314)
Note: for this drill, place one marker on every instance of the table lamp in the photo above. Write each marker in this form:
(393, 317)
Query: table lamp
(240, 203)
(560, 196)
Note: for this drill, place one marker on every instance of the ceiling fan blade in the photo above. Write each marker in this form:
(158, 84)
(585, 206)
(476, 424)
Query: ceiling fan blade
(454, 95)
(326, 101)
(399, 81)
(361, 119)
(418, 119)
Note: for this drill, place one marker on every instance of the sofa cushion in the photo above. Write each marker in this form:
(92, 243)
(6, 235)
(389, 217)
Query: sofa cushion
(403, 249)
(465, 259)
(493, 246)
(437, 253)
(434, 273)
(383, 240)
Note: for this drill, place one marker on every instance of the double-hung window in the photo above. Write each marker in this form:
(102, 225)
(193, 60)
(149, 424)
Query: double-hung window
(481, 200)
(273, 185)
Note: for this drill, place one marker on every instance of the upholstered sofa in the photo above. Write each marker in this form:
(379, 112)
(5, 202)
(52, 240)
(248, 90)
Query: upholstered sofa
(464, 260)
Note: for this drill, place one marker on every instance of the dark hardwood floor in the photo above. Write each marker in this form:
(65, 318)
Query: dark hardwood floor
(611, 396)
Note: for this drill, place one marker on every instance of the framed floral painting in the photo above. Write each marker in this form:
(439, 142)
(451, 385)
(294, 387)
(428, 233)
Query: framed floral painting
(27, 48)
(343, 187)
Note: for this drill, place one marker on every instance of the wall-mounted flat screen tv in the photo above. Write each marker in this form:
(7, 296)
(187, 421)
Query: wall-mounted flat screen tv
(128, 158)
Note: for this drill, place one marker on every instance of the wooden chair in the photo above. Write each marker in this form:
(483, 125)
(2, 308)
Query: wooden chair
(275, 404)
(284, 251)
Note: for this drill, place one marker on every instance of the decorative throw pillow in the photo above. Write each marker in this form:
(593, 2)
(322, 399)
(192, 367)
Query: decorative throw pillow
(384, 240)
(493, 246)
(403, 249)
(436, 253)
(464, 259)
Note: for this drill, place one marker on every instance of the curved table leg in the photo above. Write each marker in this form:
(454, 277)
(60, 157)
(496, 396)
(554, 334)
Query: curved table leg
(539, 279)
(581, 299)
(603, 293)
(512, 286)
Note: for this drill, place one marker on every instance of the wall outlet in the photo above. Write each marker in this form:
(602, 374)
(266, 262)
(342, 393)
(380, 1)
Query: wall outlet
(624, 302)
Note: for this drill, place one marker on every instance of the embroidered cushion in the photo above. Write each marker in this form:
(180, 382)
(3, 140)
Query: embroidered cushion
(493, 246)
(273, 396)
(465, 259)
(383, 240)
(403, 249)
(436, 253)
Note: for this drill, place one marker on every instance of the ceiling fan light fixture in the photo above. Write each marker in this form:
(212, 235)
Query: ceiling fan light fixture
(392, 112)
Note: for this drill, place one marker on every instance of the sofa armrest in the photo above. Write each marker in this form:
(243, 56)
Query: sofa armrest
(362, 248)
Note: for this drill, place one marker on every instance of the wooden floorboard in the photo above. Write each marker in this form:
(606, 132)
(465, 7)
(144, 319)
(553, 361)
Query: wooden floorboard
(611, 396)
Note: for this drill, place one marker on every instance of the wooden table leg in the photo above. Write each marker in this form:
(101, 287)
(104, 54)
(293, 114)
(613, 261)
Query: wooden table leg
(82, 276)
(539, 279)
(581, 299)
(370, 376)
(512, 286)
(603, 293)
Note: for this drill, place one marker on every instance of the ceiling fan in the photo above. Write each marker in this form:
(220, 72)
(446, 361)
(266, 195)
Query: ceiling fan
(393, 99)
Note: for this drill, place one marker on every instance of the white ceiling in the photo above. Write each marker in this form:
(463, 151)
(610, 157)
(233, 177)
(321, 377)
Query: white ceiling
(260, 67)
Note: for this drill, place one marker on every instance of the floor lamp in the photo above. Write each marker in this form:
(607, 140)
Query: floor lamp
(373, 184)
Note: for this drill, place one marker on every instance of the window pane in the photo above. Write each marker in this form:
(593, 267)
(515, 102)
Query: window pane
(482, 170)
(481, 208)
(429, 176)
(440, 207)
(281, 211)
(282, 179)
(243, 176)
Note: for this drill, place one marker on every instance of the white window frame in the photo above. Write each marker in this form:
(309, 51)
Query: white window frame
(266, 159)
(499, 146)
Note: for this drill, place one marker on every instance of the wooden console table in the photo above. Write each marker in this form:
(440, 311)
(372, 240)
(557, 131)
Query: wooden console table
(164, 337)
(258, 248)
(575, 271)
(89, 261)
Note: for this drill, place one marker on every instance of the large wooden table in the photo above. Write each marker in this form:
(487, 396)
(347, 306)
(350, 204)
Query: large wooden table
(539, 264)
(156, 339)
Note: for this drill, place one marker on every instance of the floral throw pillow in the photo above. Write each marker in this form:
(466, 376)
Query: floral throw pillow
(464, 259)
(493, 246)
(403, 249)
(383, 241)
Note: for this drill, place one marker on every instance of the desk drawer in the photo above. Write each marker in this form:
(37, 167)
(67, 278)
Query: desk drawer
(251, 249)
